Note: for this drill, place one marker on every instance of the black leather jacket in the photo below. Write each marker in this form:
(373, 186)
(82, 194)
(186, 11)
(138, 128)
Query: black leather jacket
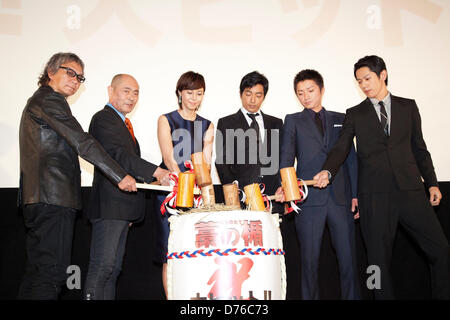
(50, 141)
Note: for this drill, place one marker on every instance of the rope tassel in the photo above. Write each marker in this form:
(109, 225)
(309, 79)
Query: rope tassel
(303, 188)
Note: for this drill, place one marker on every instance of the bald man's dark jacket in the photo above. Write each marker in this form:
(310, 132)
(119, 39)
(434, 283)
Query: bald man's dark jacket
(107, 201)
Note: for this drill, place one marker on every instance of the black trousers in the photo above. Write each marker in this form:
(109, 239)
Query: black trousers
(310, 225)
(48, 248)
(380, 214)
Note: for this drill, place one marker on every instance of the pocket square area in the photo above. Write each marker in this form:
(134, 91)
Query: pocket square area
(338, 125)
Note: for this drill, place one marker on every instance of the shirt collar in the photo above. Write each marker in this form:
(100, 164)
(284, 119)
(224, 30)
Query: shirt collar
(245, 111)
(313, 113)
(386, 100)
(120, 115)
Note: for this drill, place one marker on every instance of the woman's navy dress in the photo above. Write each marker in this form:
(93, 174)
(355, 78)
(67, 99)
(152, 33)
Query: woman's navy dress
(187, 138)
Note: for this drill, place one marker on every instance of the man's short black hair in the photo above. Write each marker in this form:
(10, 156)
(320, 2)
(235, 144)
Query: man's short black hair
(252, 79)
(374, 63)
(308, 74)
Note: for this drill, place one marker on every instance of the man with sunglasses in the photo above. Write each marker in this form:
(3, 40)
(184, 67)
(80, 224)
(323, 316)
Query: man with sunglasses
(51, 140)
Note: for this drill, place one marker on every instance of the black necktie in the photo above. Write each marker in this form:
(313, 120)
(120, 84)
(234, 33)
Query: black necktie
(384, 119)
(318, 121)
(254, 125)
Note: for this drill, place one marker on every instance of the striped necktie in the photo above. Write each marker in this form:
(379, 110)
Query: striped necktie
(384, 119)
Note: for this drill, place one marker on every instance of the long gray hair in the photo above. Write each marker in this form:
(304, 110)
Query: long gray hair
(55, 62)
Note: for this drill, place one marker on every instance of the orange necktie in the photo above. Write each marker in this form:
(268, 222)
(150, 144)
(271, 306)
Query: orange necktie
(130, 128)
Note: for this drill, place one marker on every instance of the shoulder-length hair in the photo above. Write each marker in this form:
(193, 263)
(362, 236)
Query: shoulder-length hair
(55, 62)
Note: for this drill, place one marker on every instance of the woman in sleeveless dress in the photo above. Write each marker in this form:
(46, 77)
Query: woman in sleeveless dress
(181, 133)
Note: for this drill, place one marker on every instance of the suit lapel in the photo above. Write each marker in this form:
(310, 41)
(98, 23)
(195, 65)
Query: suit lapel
(372, 117)
(328, 128)
(138, 149)
(308, 122)
(238, 122)
(396, 115)
(267, 127)
(241, 121)
(124, 129)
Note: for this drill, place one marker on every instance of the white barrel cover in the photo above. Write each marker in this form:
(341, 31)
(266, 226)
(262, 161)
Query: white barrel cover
(226, 255)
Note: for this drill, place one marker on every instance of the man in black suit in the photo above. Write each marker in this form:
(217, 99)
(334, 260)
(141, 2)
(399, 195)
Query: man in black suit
(392, 159)
(247, 142)
(51, 139)
(111, 211)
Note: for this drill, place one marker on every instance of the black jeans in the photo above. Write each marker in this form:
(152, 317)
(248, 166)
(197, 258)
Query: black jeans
(48, 248)
(109, 238)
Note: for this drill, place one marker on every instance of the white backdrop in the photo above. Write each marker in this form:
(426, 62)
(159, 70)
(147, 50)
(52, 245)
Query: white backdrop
(157, 40)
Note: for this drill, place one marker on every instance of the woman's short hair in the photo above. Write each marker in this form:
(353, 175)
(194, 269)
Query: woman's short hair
(189, 81)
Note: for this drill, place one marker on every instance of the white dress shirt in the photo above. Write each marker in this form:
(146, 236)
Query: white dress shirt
(259, 120)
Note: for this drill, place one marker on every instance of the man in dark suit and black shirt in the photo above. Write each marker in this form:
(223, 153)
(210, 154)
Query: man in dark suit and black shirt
(247, 142)
(111, 211)
(392, 159)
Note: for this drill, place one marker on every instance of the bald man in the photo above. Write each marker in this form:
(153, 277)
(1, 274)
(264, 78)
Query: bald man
(112, 211)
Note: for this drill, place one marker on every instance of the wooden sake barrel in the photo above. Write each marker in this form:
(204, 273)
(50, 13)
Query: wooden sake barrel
(226, 255)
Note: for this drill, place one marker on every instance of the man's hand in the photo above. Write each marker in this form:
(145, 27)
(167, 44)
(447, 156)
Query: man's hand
(128, 184)
(435, 196)
(355, 208)
(321, 179)
(279, 195)
(162, 175)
